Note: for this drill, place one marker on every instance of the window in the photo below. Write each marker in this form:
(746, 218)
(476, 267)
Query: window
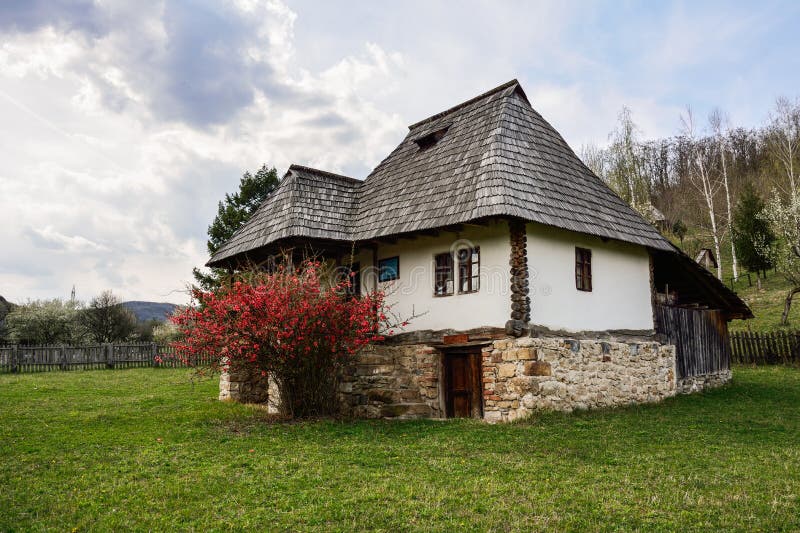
(389, 269)
(443, 275)
(583, 269)
(354, 271)
(469, 269)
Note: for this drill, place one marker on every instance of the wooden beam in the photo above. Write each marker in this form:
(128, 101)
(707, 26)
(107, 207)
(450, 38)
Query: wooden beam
(478, 222)
(455, 228)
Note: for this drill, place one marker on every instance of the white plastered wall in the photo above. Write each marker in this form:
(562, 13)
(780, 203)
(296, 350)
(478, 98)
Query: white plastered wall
(413, 292)
(620, 296)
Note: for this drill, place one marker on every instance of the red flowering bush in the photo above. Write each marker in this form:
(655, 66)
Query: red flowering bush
(293, 324)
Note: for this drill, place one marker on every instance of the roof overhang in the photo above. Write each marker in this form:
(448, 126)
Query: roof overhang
(289, 246)
(696, 286)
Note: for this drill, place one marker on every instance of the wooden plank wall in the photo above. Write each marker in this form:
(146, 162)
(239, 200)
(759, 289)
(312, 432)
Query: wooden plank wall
(700, 337)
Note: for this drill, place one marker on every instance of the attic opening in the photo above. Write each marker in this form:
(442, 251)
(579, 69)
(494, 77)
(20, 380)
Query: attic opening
(429, 139)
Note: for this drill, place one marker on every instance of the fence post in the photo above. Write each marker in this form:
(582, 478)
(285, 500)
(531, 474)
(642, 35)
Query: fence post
(62, 357)
(154, 354)
(109, 355)
(15, 359)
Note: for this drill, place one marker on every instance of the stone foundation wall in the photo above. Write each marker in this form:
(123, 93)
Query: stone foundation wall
(394, 382)
(692, 384)
(244, 387)
(385, 382)
(527, 374)
(519, 376)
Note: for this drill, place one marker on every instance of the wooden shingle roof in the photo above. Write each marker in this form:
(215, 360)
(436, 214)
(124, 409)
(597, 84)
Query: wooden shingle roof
(308, 203)
(495, 156)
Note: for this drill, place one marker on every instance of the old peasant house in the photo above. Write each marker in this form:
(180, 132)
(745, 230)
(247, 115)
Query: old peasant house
(533, 285)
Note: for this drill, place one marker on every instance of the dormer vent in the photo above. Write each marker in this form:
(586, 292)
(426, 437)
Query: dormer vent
(429, 139)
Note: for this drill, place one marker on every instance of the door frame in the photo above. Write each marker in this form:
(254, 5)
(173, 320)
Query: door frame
(474, 354)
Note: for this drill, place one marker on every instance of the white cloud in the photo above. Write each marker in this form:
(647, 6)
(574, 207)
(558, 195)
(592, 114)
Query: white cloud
(43, 53)
(48, 237)
(122, 127)
(119, 188)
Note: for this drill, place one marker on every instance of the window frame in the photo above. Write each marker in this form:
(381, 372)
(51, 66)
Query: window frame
(382, 265)
(583, 269)
(469, 270)
(449, 273)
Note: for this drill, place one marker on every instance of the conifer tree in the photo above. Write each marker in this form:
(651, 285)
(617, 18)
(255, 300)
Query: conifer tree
(232, 213)
(752, 234)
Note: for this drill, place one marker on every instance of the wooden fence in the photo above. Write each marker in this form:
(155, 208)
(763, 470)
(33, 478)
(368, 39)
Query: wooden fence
(18, 358)
(774, 347)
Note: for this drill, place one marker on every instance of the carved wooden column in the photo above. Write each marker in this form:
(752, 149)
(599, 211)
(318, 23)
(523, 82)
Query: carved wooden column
(520, 299)
(653, 292)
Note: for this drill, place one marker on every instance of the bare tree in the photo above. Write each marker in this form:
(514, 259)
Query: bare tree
(701, 178)
(107, 320)
(719, 125)
(624, 170)
(784, 141)
(594, 158)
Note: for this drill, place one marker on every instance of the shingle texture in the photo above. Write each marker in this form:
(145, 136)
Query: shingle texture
(498, 157)
(308, 203)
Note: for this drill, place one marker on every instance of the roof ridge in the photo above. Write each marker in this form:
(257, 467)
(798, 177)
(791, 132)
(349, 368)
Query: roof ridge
(502, 158)
(490, 92)
(294, 166)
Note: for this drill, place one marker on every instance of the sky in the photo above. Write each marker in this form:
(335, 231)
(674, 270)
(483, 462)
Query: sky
(123, 123)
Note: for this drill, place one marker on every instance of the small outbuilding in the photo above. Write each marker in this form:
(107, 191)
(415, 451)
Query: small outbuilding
(533, 285)
(706, 258)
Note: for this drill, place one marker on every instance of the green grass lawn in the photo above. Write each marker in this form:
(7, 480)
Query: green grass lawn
(767, 304)
(150, 450)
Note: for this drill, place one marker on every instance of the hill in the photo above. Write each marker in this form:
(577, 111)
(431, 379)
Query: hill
(145, 311)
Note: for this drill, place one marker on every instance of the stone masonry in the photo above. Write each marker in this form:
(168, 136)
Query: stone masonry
(519, 376)
(692, 384)
(527, 374)
(244, 387)
(394, 382)
(386, 382)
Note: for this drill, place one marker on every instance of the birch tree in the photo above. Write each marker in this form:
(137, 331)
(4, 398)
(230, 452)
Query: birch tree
(701, 178)
(784, 142)
(719, 125)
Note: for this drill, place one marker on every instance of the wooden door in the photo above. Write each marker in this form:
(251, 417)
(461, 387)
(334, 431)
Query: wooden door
(462, 382)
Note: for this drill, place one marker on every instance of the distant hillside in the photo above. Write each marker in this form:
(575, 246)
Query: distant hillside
(145, 311)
